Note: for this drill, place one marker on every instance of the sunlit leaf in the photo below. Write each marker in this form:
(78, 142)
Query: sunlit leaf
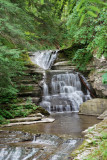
(81, 10)
(92, 14)
(42, 1)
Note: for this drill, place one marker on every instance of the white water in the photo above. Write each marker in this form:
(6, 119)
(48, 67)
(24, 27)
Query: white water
(13, 153)
(65, 93)
(46, 147)
(44, 59)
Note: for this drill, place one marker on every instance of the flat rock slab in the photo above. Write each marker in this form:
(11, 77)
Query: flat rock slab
(26, 119)
(36, 115)
(44, 120)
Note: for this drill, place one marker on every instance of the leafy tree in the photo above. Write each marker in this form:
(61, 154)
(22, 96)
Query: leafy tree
(89, 31)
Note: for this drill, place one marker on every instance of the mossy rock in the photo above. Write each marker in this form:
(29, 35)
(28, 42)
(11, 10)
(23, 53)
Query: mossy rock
(104, 78)
(42, 111)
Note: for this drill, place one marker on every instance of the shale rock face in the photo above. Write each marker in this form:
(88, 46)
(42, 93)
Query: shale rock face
(96, 82)
(29, 85)
(93, 107)
(95, 77)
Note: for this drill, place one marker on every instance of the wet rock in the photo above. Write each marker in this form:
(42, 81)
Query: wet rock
(93, 107)
(103, 115)
(42, 111)
(26, 137)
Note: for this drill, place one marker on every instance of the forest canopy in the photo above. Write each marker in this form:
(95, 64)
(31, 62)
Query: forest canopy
(31, 25)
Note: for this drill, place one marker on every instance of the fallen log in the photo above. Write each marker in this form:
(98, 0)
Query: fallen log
(81, 79)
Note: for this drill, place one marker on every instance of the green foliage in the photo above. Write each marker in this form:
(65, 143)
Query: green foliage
(92, 32)
(89, 7)
(14, 110)
(104, 135)
(104, 78)
(81, 59)
(101, 148)
(2, 120)
(10, 67)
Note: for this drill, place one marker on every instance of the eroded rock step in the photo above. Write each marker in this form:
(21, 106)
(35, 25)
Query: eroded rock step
(37, 147)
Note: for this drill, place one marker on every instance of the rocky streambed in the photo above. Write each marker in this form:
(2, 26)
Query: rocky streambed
(45, 141)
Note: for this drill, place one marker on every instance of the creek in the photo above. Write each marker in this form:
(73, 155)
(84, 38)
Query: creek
(63, 93)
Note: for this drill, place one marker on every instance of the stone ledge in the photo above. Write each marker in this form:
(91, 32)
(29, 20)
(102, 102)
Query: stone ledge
(43, 120)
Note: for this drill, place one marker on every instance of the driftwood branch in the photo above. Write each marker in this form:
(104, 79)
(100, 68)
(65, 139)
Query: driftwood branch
(81, 79)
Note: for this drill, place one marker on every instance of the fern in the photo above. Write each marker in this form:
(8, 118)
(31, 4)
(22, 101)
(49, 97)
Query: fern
(89, 7)
(82, 19)
(96, 9)
(92, 14)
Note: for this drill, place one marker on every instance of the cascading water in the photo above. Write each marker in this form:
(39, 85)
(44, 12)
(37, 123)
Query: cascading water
(44, 59)
(64, 93)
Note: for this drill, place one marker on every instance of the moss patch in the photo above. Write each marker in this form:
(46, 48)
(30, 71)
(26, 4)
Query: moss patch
(42, 111)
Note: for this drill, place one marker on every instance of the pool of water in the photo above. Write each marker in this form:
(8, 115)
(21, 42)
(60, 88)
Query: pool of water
(45, 141)
(70, 124)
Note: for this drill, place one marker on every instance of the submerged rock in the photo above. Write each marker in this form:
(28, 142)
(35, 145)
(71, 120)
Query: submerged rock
(93, 107)
(26, 137)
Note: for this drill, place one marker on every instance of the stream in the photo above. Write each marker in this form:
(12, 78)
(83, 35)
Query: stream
(62, 95)
(45, 141)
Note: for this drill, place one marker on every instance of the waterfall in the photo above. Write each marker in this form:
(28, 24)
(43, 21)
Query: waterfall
(44, 59)
(63, 92)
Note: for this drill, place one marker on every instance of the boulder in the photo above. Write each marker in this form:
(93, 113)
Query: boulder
(93, 107)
